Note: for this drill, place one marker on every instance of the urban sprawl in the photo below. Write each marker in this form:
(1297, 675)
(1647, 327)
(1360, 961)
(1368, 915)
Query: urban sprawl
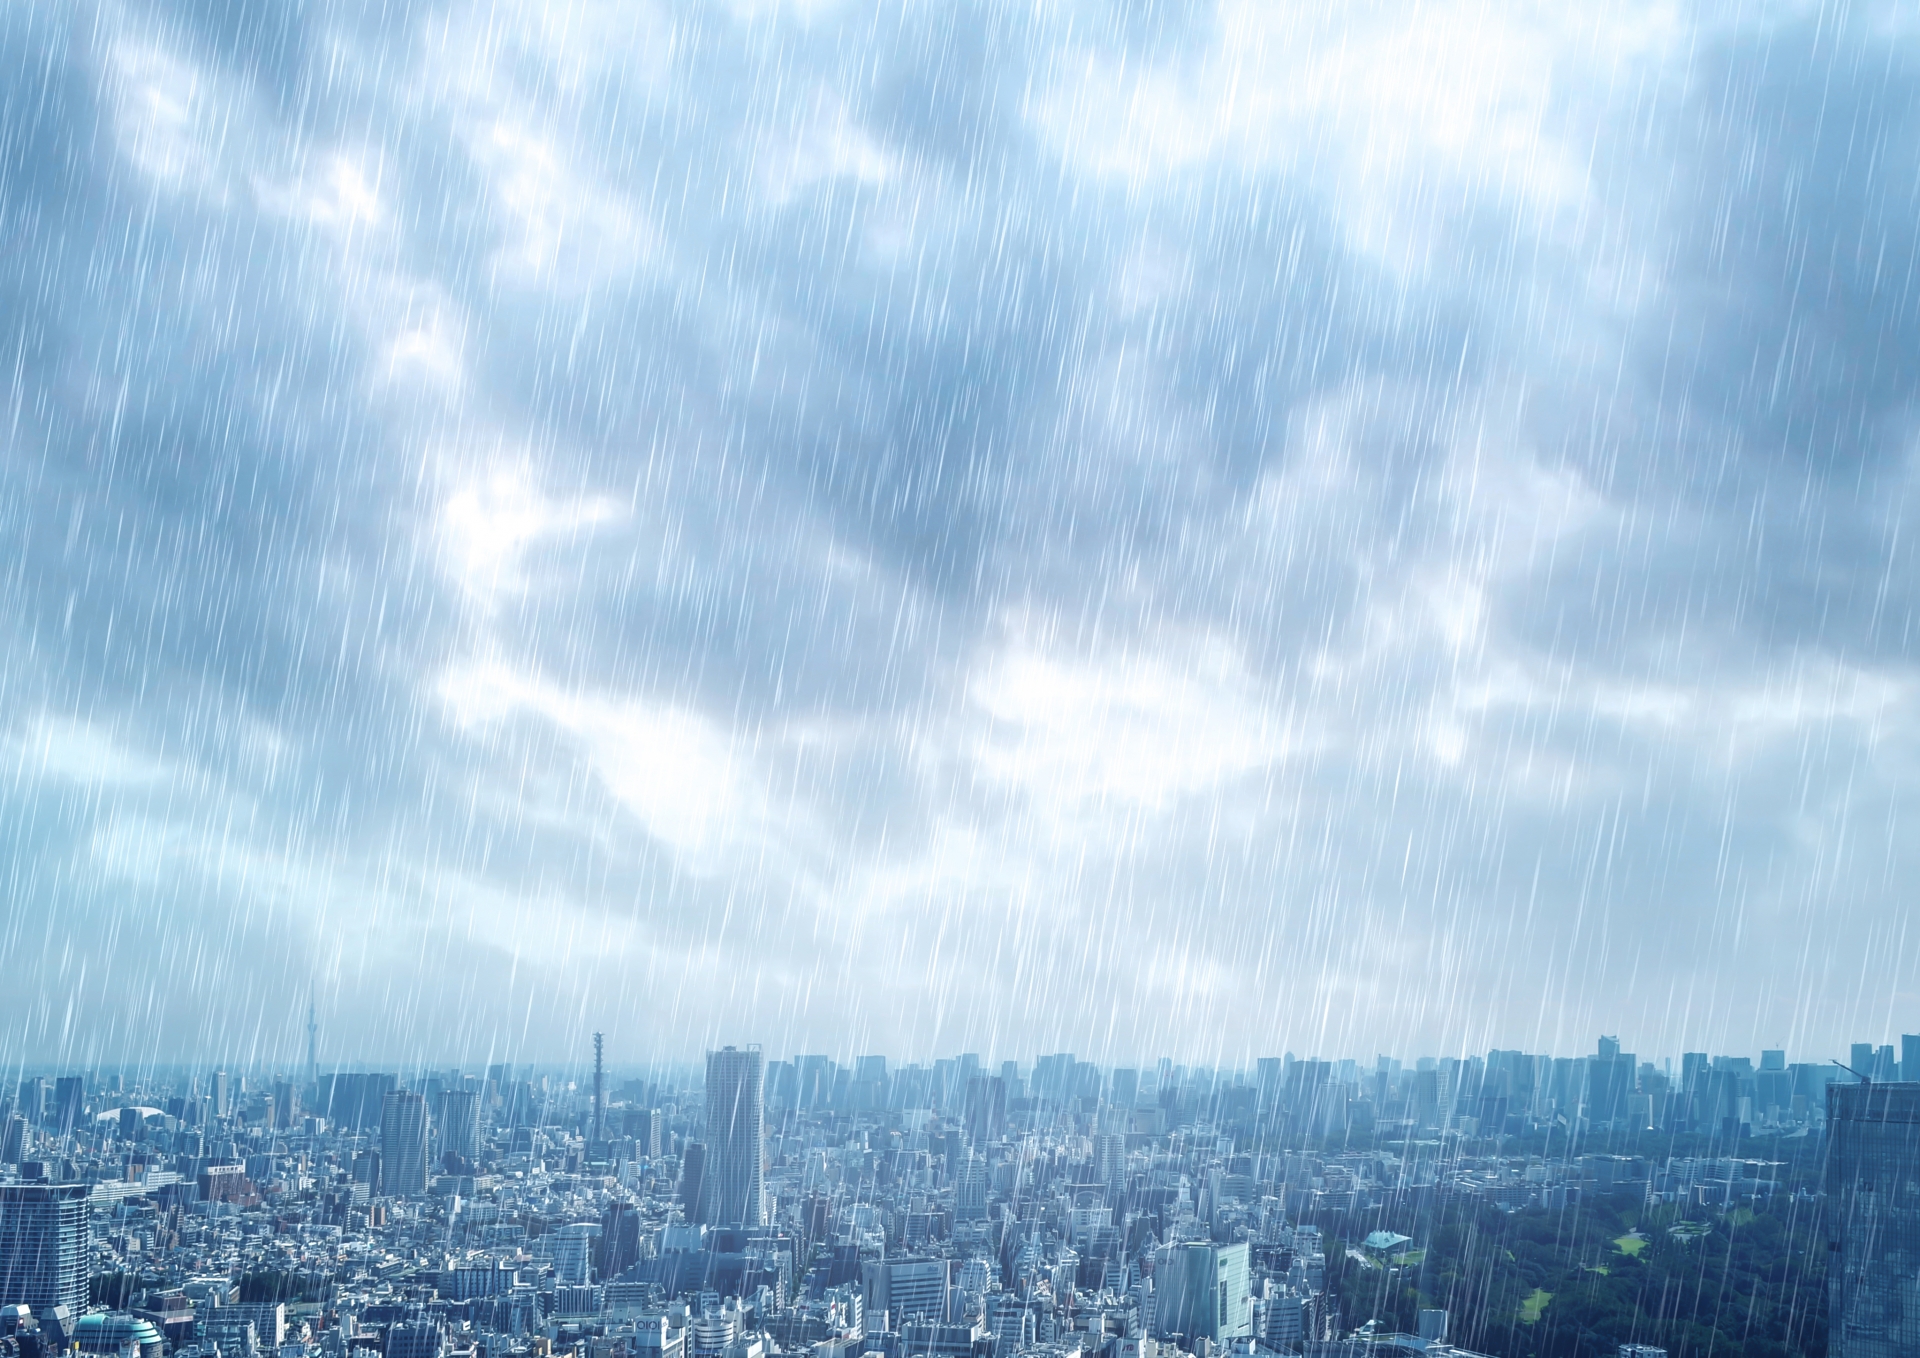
(955, 1209)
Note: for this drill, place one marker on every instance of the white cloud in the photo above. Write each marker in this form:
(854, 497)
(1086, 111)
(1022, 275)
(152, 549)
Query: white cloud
(169, 117)
(824, 144)
(488, 524)
(81, 752)
(692, 783)
(1120, 731)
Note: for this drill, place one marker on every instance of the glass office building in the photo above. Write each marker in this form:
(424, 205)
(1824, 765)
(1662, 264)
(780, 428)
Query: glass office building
(1873, 1220)
(45, 1250)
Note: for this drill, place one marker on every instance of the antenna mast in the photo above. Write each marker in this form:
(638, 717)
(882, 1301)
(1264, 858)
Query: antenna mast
(599, 1084)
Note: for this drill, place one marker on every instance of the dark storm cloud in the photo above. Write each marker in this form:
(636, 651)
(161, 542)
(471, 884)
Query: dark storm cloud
(1145, 527)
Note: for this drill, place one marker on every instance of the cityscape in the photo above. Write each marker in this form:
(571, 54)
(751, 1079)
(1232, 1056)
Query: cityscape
(977, 679)
(964, 1208)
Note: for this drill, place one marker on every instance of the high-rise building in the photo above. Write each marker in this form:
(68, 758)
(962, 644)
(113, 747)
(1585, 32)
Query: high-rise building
(1910, 1056)
(693, 1180)
(286, 1104)
(1202, 1291)
(647, 1127)
(1873, 1219)
(970, 1190)
(572, 1247)
(355, 1102)
(460, 1123)
(403, 1144)
(906, 1289)
(219, 1093)
(69, 1097)
(619, 1238)
(45, 1248)
(986, 1109)
(33, 1100)
(733, 1192)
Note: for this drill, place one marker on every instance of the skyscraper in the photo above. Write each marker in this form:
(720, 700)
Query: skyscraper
(693, 1180)
(460, 1123)
(733, 1193)
(1202, 1291)
(403, 1144)
(1873, 1219)
(69, 1097)
(44, 1245)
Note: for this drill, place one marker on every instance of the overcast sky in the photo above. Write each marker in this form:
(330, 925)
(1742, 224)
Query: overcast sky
(1187, 530)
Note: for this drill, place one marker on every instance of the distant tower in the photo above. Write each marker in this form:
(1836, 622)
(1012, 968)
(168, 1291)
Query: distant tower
(599, 1084)
(313, 1047)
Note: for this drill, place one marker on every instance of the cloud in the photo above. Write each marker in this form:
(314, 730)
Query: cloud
(1146, 529)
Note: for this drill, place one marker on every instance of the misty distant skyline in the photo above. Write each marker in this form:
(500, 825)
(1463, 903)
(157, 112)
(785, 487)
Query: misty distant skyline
(1189, 530)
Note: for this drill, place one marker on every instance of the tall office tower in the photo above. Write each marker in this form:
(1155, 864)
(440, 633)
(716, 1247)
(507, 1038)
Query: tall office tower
(816, 1080)
(970, 1190)
(313, 1049)
(1123, 1088)
(986, 1109)
(219, 1093)
(460, 1123)
(1110, 1159)
(619, 1238)
(693, 1181)
(572, 1247)
(1269, 1080)
(1910, 1056)
(733, 1192)
(1873, 1219)
(13, 1145)
(1860, 1059)
(33, 1101)
(1202, 1291)
(286, 1104)
(44, 1246)
(646, 1126)
(69, 1096)
(403, 1144)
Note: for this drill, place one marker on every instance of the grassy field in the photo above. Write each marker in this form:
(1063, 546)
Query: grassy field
(1531, 1308)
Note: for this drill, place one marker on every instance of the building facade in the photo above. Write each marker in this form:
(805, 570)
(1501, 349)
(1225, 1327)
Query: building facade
(44, 1246)
(732, 1191)
(1873, 1219)
(403, 1144)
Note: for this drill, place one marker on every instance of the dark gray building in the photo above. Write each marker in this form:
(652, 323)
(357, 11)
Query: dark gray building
(1873, 1219)
(460, 1123)
(403, 1144)
(44, 1246)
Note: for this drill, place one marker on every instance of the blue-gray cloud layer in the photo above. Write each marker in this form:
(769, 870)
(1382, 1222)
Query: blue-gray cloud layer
(1145, 529)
